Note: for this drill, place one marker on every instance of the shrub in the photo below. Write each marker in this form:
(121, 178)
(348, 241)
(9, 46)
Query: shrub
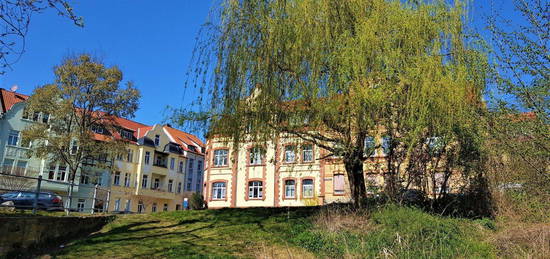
(196, 202)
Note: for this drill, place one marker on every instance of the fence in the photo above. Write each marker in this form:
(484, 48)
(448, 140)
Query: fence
(29, 192)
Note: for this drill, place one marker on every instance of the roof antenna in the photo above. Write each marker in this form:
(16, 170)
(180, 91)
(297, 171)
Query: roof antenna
(14, 88)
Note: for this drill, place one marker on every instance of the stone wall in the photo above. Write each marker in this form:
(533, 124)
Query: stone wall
(23, 235)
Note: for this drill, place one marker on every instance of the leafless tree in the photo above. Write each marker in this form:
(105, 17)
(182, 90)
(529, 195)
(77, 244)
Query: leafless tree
(15, 17)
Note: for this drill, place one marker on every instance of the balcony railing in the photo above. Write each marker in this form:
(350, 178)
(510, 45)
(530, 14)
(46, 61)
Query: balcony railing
(17, 152)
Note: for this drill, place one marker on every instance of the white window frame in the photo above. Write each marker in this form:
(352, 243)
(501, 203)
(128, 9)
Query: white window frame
(219, 190)
(13, 138)
(256, 155)
(255, 190)
(307, 154)
(308, 188)
(147, 157)
(290, 188)
(220, 157)
(116, 179)
(157, 140)
(144, 181)
(290, 154)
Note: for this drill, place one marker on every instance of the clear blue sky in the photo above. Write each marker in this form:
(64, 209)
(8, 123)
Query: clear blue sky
(151, 41)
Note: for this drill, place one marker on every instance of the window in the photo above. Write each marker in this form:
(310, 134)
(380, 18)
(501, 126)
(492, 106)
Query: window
(218, 191)
(172, 163)
(179, 187)
(307, 153)
(157, 140)
(307, 188)
(180, 168)
(13, 138)
(156, 183)
(25, 113)
(119, 156)
(21, 167)
(154, 207)
(61, 173)
(255, 190)
(198, 187)
(170, 183)
(256, 156)
(126, 134)
(116, 181)
(141, 207)
(36, 116)
(117, 205)
(220, 157)
(8, 165)
(199, 168)
(97, 129)
(147, 157)
(370, 146)
(51, 172)
(80, 205)
(339, 184)
(84, 179)
(128, 205)
(130, 156)
(45, 118)
(188, 186)
(290, 154)
(126, 180)
(144, 181)
(165, 207)
(190, 168)
(290, 189)
(386, 144)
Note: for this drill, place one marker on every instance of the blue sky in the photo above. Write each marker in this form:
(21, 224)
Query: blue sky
(151, 41)
(151, 44)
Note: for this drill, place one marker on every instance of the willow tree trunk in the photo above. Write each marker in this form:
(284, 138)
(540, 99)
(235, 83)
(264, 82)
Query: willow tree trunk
(354, 169)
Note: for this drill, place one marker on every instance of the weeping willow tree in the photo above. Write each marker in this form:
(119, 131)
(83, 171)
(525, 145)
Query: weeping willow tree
(334, 73)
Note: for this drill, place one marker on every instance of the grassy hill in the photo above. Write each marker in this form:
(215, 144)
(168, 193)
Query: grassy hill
(388, 231)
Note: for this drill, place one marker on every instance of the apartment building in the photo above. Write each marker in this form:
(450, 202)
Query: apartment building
(286, 172)
(161, 168)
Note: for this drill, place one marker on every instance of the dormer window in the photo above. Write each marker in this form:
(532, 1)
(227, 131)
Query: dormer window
(97, 129)
(192, 148)
(126, 134)
(157, 140)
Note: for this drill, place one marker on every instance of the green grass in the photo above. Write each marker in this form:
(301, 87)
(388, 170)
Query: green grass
(277, 233)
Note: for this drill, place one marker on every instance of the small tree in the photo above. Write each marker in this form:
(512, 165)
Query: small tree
(518, 125)
(334, 73)
(85, 96)
(196, 202)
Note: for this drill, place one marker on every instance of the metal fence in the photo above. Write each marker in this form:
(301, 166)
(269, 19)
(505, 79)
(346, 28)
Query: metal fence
(24, 192)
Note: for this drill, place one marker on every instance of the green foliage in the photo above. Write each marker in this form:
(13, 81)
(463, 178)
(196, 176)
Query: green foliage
(84, 95)
(403, 233)
(334, 72)
(197, 201)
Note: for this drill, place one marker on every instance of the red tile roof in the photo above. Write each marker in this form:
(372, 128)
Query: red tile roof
(185, 139)
(9, 98)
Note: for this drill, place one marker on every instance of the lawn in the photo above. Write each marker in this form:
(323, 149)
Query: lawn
(388, 231)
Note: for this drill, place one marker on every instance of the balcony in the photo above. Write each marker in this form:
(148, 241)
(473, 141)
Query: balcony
(157, 193)
(17, 152)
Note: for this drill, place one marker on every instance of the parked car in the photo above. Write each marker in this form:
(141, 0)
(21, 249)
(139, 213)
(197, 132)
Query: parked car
(25, 200)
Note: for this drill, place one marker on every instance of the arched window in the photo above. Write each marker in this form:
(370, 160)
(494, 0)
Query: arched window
(255, 190)
(307, 188)
(290, 189)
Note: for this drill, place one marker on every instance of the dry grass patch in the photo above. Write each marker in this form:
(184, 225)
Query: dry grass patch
(523, 241)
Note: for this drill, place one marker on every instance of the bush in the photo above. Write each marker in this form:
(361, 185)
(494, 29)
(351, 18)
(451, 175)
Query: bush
(196, 202)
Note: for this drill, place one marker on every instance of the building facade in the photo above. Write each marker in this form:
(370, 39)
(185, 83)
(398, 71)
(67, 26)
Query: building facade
(286, 172)
(161, 168)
